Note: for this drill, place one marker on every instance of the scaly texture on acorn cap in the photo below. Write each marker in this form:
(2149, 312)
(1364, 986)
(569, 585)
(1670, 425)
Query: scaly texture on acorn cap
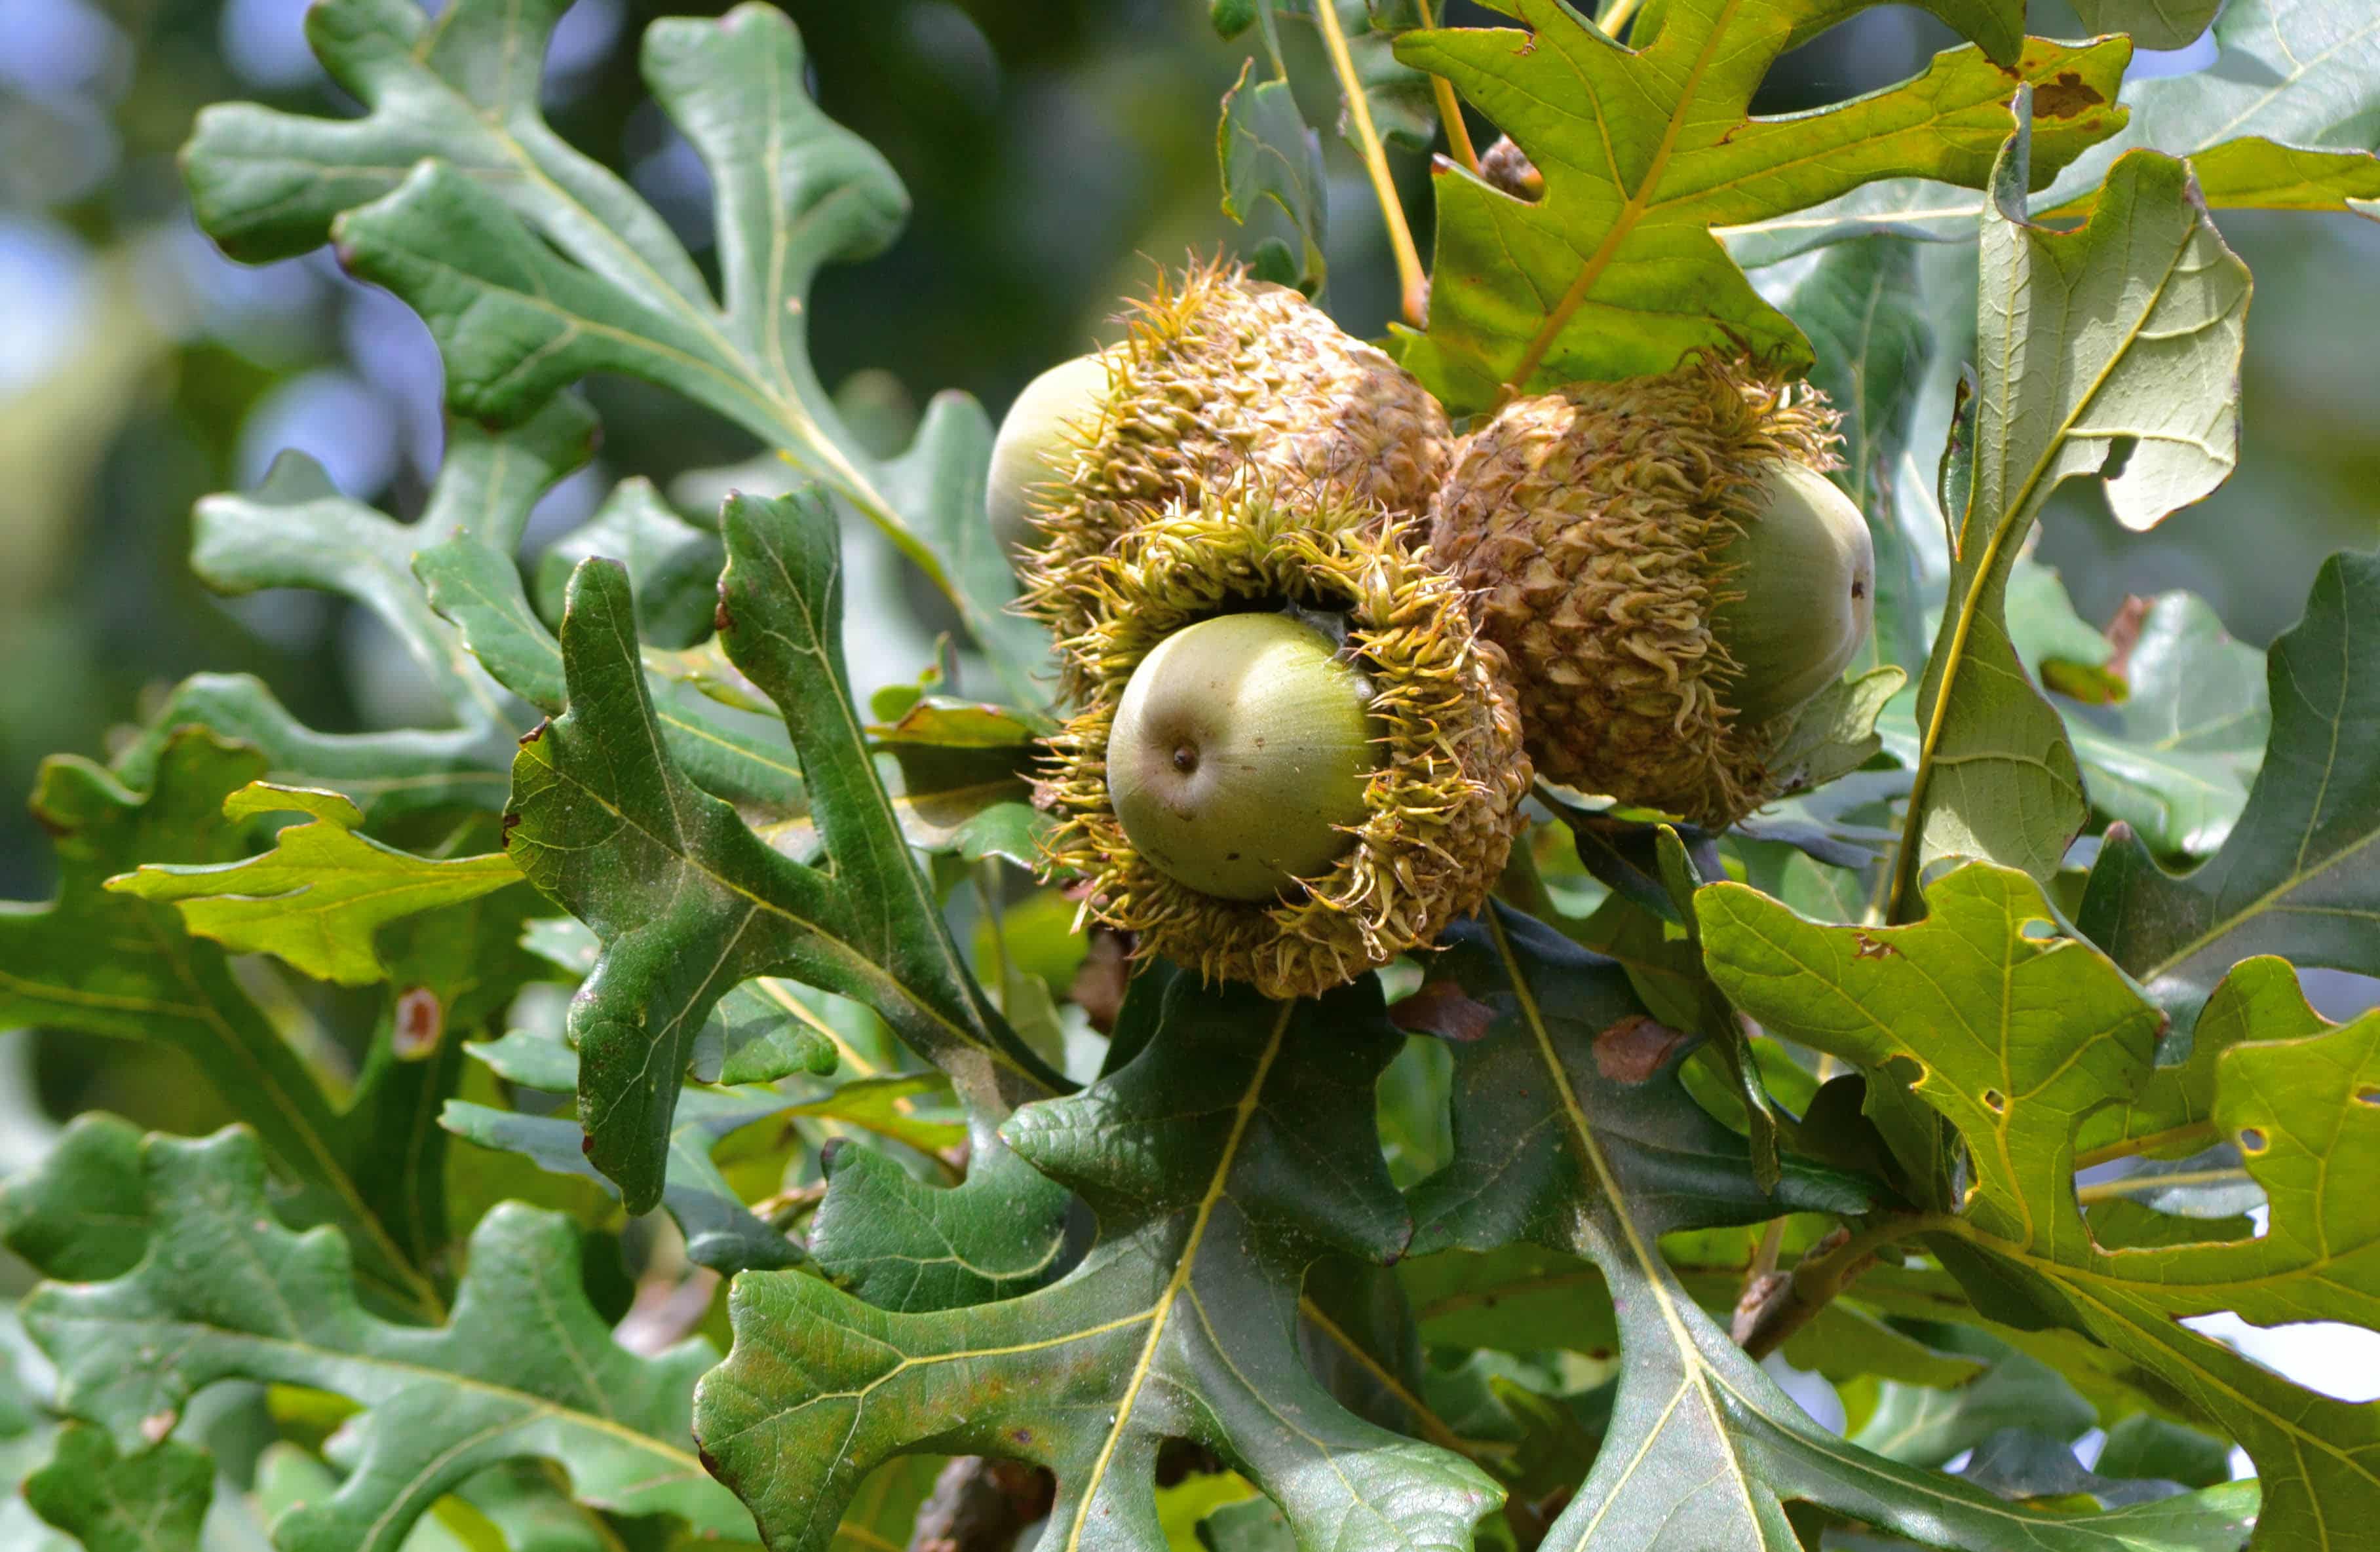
(1586, 524)
(1221, 374)
(1441, 807)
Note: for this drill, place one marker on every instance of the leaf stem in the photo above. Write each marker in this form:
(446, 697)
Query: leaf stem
(2117, 1190)
(2129, 1148)
(1832, 1265)
(1450, 110)
(1411, 282)
(1615, 20)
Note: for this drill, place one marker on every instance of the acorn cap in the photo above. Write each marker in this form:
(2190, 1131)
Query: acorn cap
(1592, 528)
(1441, 804)
(1222, 375)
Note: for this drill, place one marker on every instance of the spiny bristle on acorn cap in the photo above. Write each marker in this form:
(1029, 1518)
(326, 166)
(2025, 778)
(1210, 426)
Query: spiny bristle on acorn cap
(1220, 375)
(1592, 527)
(1441, 808)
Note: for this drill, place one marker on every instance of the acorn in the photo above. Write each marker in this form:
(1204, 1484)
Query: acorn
(1053, 418)
(1220, 376)
(1296, 760)
(1669, 572)
(1239, 755)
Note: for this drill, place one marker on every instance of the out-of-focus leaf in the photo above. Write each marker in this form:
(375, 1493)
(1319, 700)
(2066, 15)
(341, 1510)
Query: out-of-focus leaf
(81, 1215)
(1615, 273)
(688, 901)
(1565, 1141)
(525, 1368)
(106, 963)
(2084, 346)
(1266, 152)
(2175, 759)
(2016, 1038)
(296, 531)
(1236, 1148)
(318, 897)
(2154, 24)
(150, 1500)
(534, 265)
(673, 564)
(2299, 874)
(1928, 1426)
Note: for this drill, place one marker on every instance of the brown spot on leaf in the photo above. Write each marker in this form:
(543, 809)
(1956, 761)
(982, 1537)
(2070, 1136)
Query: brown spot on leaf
(1635, 1049)
(418, 1020)
(1443, 1008)
(533, 734)
(2066, 96)
(1870, 947)
(505, 831)
(721, 620)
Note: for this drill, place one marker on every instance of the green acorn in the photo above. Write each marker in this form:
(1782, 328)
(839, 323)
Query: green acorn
(1669, 572)
(1254, 797)
(1219, 379)
(1239, 755)
(1052, 420)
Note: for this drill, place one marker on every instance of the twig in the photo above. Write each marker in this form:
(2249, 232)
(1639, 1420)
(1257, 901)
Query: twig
(1781, 1304)
(1615, 20)
(1410, 278)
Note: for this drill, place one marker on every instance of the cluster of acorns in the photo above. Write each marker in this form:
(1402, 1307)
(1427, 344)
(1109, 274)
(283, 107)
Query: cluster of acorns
(1318, 640)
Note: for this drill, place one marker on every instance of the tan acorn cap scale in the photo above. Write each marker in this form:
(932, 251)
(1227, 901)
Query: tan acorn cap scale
(1669, 572)
(1335, 883)
(1219, 374)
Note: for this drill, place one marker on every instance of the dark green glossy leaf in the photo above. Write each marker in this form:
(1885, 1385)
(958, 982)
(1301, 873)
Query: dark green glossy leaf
(688, 901)
(1237, 1146)
(151, 1500)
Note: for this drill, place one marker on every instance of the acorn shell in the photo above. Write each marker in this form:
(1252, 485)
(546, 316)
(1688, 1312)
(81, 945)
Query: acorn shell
(1038, 436)
(1798, 595)
(1592, 526)
(1441, 806)
(1220, 375)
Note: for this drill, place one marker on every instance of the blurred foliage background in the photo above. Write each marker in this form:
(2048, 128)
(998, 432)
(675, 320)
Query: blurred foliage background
(1055, 150)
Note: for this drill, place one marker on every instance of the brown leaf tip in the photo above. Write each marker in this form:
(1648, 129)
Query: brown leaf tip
(1868, 945)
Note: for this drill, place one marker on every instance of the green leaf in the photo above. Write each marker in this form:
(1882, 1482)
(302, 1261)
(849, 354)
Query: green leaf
(688, 901)
(2281, 120)
(1615, 273)
(674, 563)
(1234, 1148)
(2017, 1038)
(2154, 24)
(151, 1500)
(81, 1215)
(296, 531)
(2300, 873)
(461, 177)
(1266, 152)
(721, 1232)
(524, 1370)
(318, 897)
(2127, 333)
(2175, 759)
(1928, 1426)
(108, 964)
(1572, 1136)
(1398, 95)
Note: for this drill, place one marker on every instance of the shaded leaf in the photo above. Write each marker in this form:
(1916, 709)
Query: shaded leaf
(1615, 273)
(2127, 332)
(1702, 1450)
(1266, 152)
(1236, 1148)
(2298, 873)
(81, 1215)
(525, 1369)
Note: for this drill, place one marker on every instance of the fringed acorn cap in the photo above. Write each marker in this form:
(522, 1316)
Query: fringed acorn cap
(1439, 810)
(1219, 374)
(1589, 525)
